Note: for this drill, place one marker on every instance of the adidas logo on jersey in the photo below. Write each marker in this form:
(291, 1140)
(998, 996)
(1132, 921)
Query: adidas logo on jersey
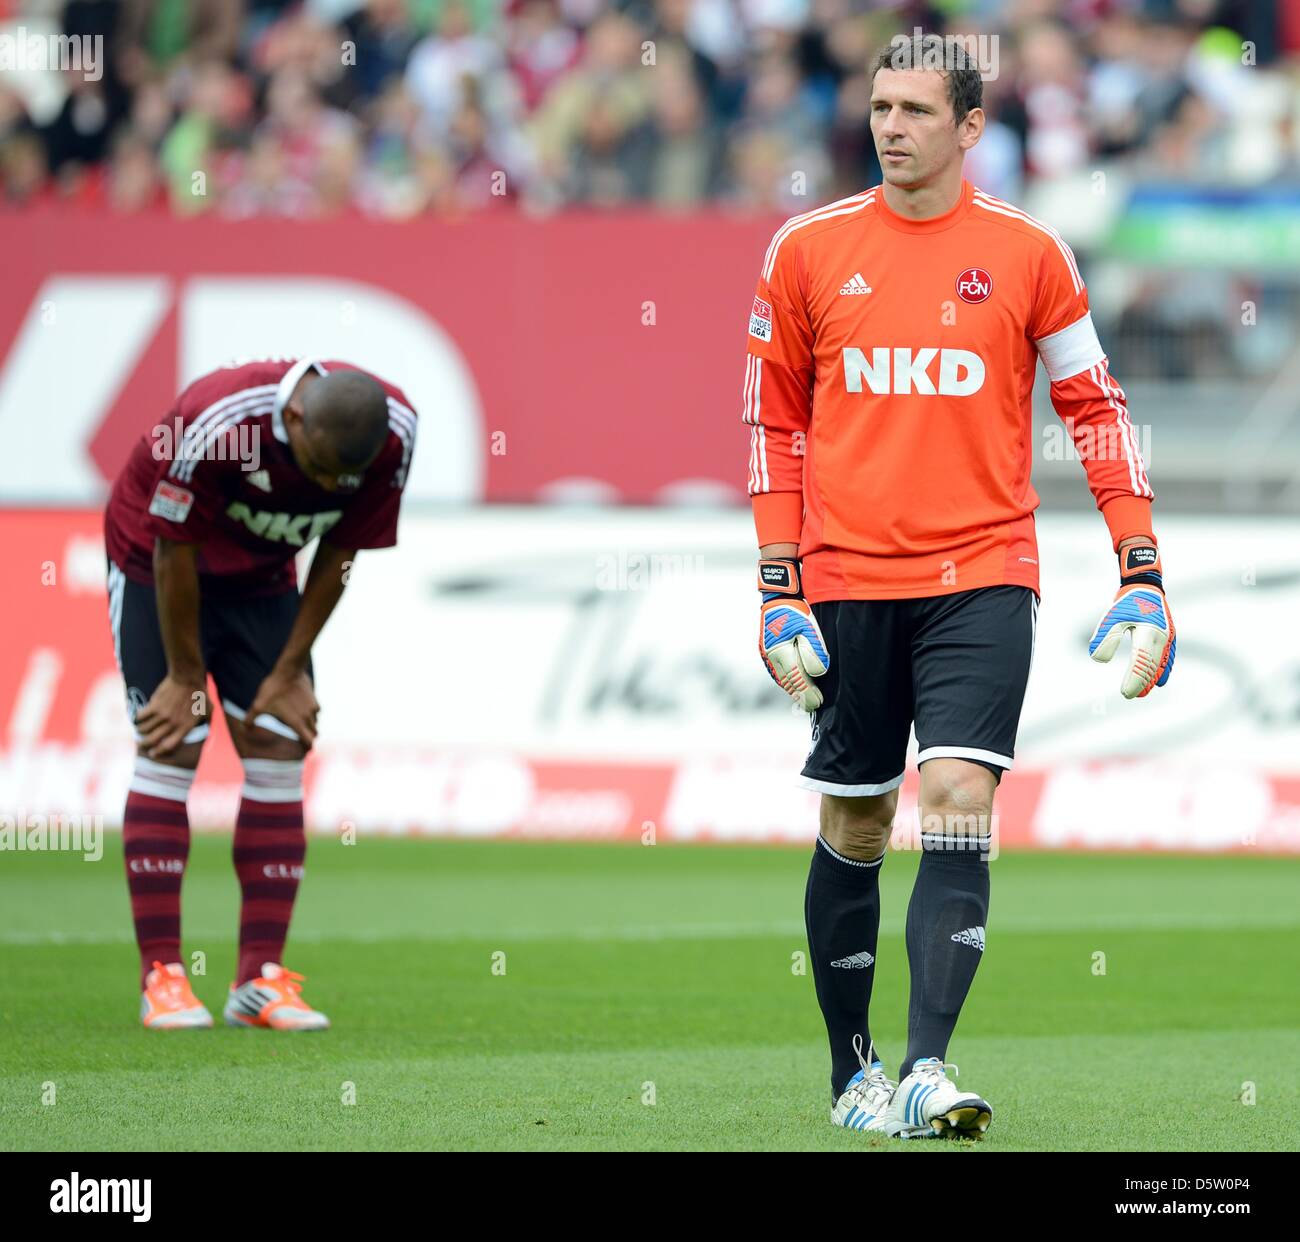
(973, 936)
(855, 961)
(854, 285)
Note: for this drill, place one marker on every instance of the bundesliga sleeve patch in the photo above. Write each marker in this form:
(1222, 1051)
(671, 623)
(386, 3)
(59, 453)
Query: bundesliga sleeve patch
(170, 502)
(760, 320)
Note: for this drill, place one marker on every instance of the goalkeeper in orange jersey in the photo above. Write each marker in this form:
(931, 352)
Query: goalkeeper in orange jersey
(893, 341)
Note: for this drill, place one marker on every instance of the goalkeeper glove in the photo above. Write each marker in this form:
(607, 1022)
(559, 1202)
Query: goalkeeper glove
(789, 638)
(1140, 606)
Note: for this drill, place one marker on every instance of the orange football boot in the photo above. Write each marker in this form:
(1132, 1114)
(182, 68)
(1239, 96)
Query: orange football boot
(169, 1002)
(274, 1000)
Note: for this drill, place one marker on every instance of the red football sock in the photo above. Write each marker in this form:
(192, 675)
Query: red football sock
(156, 843)
(270, 845)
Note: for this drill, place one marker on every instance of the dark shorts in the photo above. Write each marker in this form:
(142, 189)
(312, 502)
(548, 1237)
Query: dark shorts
(956, 666)
(241, 640)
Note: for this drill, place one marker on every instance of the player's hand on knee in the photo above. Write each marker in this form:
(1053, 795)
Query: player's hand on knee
(790, 641)
(174, 708)
(1140, 609)
(289, 697)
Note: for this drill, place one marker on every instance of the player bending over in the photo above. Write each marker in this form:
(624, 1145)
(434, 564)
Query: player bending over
(201, 531)
(892, 348)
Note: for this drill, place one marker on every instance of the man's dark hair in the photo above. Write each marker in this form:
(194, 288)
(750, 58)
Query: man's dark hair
(946, 54)
(350, 412)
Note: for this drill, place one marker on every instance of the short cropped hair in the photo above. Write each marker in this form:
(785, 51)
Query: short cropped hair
(945, 55)
(351, 411)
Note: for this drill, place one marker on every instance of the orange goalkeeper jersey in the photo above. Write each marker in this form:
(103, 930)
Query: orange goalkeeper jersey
(887, 389)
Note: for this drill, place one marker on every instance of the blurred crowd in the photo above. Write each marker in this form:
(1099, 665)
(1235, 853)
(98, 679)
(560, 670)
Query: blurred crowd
(390, 108)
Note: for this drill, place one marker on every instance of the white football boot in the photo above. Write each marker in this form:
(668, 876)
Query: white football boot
(862, 1104)
(928, 1105)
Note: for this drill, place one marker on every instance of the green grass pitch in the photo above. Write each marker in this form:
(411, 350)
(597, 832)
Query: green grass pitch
(490, 995)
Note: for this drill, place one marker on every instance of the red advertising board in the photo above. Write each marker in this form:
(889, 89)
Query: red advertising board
(603, 348)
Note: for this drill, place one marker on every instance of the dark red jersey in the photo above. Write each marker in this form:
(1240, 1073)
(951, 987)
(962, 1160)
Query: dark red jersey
(218, 471)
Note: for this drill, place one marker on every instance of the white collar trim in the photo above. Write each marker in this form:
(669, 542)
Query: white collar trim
(285, 391)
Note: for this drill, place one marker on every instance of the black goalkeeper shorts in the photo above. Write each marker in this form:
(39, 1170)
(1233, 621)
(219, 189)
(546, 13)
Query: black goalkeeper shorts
(956, 666)
(241, 640)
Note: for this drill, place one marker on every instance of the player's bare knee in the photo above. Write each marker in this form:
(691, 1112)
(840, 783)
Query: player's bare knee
(956, 797)
(858, 827)
(184, 756)
(261, 744)
(280, 748)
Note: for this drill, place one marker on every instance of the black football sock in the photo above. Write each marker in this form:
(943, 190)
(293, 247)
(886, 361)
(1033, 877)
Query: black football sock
(945, 940)
(842, 914)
